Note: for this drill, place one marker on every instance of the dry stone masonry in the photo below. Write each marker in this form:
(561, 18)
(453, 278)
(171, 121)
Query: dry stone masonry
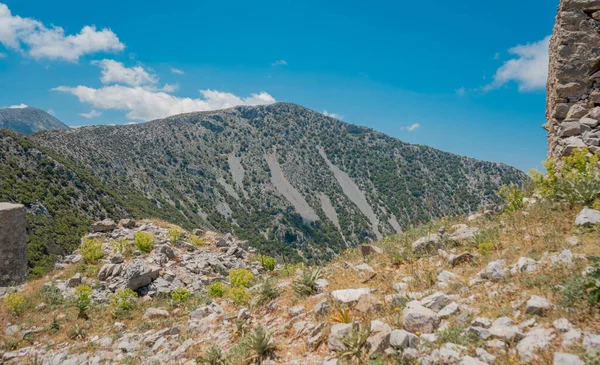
(13, 254)
(573, 97)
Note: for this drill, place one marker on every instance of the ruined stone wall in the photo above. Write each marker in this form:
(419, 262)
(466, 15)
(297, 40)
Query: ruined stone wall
(573, 95)
(13, 254)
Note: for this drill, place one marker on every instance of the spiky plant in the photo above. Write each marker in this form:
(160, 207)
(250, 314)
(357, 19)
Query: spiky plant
(306, 284)
(260, 343)
(213, 356)
(355, 345)
(267, 293)
(342, 316)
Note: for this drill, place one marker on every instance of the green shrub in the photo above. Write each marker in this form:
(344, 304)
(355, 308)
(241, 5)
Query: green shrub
(267, 293)
(259, 342)
(592, 282)
(180, 295)
(215, 289)
(574, 179)
(91, 250)
(83, 294)
(240, 277)
(144, 241)
(290, 269)
(196, 241)
(175, 233)
(123, 247)
(239, 294)
(355, 344)
(15, 303)
(123, 302)
(267, 262)
(485, 248)
(306, 284)
(51, 295)
(513, 197)
(213, 356)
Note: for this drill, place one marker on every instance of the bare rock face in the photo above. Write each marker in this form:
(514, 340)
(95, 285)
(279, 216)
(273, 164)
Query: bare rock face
(13, 253)
(573, 95)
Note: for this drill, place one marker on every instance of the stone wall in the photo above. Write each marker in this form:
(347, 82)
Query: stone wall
(13, 253)
(573, 95)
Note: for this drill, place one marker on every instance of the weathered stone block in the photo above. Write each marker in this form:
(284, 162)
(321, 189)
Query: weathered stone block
(13, 252)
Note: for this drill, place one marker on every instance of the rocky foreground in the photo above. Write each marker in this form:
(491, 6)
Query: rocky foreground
(483, 290)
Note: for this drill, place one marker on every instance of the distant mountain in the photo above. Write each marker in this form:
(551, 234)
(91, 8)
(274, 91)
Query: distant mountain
(295, 183)
(29, 120)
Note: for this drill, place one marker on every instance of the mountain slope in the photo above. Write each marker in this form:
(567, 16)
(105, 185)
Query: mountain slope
(280, 174)
(29, 120)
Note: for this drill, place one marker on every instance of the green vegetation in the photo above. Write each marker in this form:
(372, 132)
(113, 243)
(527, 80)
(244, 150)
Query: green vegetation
(213, 356)
(355, 345)
(306, 284)
(267, 293)
(259, 342)
(83, 299)
(267, 262)
(123, 302)
(175, 234)
(239, 294)
(123, 247)
(180, 295)
(196, 241)
(215, 289)
(240, 277)
(144, 241)
(513, 197)
(91, 250)
(15, 303)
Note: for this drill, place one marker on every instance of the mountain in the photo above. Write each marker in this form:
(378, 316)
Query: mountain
(29, 120)
(294, 183)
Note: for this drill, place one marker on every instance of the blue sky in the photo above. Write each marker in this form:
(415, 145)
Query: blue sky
(463, 76)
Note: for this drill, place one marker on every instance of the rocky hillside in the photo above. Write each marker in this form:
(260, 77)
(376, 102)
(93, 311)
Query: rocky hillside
(294, 183)
(517, 288)
(29, 120)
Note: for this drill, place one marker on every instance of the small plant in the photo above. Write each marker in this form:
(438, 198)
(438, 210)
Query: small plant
(240, 277)
(485, 248)
(15, 303)
(213, 356)
(453, 334)
(267, 293)
(355, 345)
(513, 197)
(144, 241)
(290, 269)
(259, 341)
(123, 247)
(175, 233)
(77, 333)
(592, 282)
(83, 299)
(196, 241)
(51, 295)
(54, 326)
(91, 250)
(574, 179)
(180, 295)
(267, 262)
(123, 301)
(241, 327)
(239, 294)
(215, 289)
(342, 316)
(306, 284)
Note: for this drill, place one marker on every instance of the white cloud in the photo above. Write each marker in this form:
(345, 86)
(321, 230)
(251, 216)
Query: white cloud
(33, 37)
(529, 70)
(145, 104)
(92, 114)
(177, 71)
(461, 91)
(411, 128)
(170, 88)
(279, 63)
(332, 115)
(51, 111)
(19, 106)
(114, 72)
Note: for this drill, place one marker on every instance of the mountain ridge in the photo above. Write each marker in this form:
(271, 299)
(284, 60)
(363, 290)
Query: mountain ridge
(28, 120)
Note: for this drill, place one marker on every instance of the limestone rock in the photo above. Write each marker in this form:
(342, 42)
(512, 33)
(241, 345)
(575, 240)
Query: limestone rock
(588, 217)
(504, 328)
(336, 336)
(419, 318)
(561, 358)
(13, 252)
(537, 305)
(379, 339)
(152, 313)
(349, 296)
(535, 339)
(401, 339)
(104, 226)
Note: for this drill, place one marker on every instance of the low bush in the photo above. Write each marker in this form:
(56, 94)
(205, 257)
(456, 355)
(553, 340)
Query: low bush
(240, 277)
(215, 289)
(513, 197)
(175, 234)
(91, 250)
(306, 284)
(123, 302)
(196, 241)
(83, 298)
(267, 293)
(144, 241)
(213, 356)
(239, 294)
(267, 262)
(51, 295)
(123, 247)
(15, 303)
(180, 295)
